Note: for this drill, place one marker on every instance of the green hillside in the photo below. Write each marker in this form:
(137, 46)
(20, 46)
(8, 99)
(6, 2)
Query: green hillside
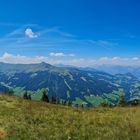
(30, 120)
(90, 87)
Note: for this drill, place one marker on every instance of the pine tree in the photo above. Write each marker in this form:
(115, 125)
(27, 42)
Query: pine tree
(69, 103)
(29, 97)
(62, 102)
(25, 95)
(122, 101)
(57, 100)
(53, 100)
(45, 95)
(65, 102)
(82, 105)
(10, 92)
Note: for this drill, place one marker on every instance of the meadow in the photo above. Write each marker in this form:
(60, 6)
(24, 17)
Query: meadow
(31, 120)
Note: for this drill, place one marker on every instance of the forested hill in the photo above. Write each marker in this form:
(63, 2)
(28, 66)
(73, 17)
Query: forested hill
(67, 83)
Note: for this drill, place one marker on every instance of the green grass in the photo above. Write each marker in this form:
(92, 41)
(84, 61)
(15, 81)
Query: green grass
(94, 100)
(78, 101)
(30, 120)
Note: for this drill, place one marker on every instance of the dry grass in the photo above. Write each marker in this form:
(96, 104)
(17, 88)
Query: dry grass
(3, 133)
(29, 120)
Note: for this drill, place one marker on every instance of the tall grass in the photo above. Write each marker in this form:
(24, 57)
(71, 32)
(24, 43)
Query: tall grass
(29, 120)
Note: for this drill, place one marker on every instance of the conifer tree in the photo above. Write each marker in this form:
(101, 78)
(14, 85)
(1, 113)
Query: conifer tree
(122, 101)
(29, 97)
(53, 100)
(69, 103)
(45, 95)
(57, 100)
(10, 92)
(25, 95)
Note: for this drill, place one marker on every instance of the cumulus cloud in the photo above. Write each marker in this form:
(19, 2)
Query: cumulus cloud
(21, 59)
(60, 54)
(29, 33)
(11, 58)
(6, 56)
(56, 54)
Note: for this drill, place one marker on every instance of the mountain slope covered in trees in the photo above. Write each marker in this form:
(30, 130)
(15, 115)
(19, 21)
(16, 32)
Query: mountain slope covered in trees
(80, 86)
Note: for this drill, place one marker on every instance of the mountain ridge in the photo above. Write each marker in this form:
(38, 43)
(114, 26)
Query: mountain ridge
(68, 83)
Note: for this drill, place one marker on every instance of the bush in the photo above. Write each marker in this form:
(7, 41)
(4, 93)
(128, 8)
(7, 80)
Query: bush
(122, 102)
(134, 102)
(105, 103)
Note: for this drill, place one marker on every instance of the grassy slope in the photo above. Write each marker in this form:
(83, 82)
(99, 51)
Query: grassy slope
(30, 120)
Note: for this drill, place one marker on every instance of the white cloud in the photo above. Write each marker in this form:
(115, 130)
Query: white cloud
(115, 58)
(29, 33)
(6, 56)
(60, 54)
(21, 59)
(56, 54)
(135, 58)
(72, 55)
(11, 58)
(103, 59)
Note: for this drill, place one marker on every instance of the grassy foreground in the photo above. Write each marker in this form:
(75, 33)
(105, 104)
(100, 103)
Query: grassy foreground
(30, 120)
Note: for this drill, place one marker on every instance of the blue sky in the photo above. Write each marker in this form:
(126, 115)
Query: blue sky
(73, 32)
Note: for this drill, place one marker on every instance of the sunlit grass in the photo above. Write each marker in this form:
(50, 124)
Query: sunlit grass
(29, 120)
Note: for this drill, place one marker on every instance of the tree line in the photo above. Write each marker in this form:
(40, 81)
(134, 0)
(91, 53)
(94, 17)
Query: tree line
(122, 102)
(45, 98)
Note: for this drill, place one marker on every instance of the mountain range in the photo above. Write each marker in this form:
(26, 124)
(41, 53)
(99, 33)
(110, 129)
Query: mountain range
(80, 85)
